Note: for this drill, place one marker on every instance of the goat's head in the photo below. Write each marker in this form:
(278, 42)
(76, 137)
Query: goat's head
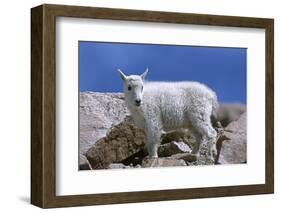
(133, 87)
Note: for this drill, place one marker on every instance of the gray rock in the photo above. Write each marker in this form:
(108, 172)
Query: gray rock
(180, 135)
(84, 163)
(117, 166)
(187, 157)
(121, 142)
(202, 158)
(227, 113)
(234, 149)
(98, 113)
(172, 148)
(107, 138)
(162, 162)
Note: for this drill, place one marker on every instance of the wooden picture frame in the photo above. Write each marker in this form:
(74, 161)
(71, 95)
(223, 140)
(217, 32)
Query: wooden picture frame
(43, 105)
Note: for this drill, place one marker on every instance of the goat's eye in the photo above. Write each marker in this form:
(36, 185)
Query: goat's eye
(129, 87)
(142, 88)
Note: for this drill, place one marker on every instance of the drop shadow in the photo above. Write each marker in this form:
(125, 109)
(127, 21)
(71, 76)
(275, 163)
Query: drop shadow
(24, 199)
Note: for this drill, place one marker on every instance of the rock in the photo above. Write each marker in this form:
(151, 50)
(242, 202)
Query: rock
(181, 135)
(121, 142)
(117, 166)
(84, 163)
(98, 113)
(136, 158)
(173, 148)
(162, 162)
(227, 113)
(187, 157)
(202, 158)
(109, 139)
(234, 149)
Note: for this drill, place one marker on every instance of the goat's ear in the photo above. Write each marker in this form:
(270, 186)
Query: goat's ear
(122, 75)
(144, 74)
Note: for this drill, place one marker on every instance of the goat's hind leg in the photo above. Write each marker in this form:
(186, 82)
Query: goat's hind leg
(198, 138)
(208, 134)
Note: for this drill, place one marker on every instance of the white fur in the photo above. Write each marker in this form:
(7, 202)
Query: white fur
(167, 106)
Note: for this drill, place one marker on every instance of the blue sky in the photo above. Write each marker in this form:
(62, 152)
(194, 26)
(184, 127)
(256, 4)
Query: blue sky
(222, 69)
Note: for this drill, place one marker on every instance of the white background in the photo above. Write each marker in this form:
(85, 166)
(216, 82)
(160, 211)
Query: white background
(70, 30)
(15, 105)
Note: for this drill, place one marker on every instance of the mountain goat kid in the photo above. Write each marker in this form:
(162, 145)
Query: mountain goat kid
(165, 106)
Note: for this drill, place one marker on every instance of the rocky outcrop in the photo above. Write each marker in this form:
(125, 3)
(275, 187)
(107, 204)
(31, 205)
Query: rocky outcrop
(189, 158)
(84, 163)
(227, 113)
(110, 140)
(125, 145)
(162, 162)
(123, 141)
(233, 149)
(117, 166)
(98, 113)
(172, 148)
(180, 135)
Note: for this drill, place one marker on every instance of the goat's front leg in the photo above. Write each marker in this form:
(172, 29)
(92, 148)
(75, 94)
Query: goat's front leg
(153, 141)
(152, 149)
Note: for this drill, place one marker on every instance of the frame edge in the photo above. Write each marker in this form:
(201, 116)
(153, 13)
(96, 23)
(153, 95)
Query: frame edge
(43, 70)
(269, 34)
(37, 190)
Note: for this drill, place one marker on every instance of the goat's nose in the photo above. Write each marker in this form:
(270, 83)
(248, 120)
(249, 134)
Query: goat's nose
(138, 101)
